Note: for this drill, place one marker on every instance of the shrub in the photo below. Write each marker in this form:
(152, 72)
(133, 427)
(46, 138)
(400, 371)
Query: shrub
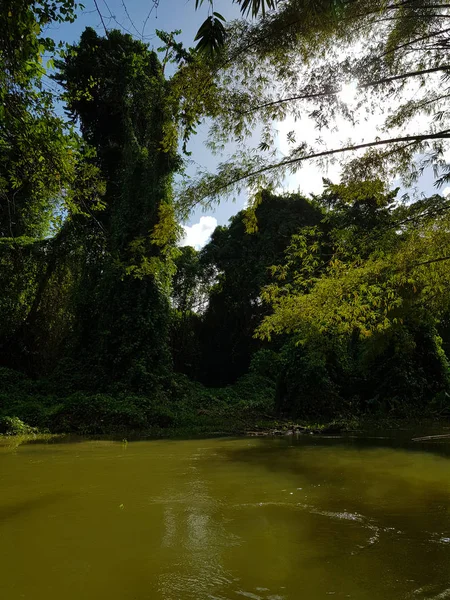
(15, 426)
(267, 363)
(103, 413)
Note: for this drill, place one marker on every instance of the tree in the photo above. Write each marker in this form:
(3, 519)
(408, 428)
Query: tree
(370, 266)
(295, 61)
(239, 263)
(356, 304)
(115, 87)
(37, 153)
(44, 177)
(189, 297)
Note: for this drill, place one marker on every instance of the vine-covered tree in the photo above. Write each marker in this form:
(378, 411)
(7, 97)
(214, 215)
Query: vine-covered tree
(115, 89)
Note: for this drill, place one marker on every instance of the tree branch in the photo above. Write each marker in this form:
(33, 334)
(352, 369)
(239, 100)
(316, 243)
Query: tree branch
(445, 134)
(101, 18)
(335, 92)
(432, 260)
(421, 39)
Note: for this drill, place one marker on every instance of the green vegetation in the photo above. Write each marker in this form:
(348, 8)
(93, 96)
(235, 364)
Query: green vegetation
(322, 308)
(14, 426)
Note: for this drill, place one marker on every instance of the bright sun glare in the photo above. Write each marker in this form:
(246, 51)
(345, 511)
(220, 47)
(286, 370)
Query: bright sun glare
(348, 92)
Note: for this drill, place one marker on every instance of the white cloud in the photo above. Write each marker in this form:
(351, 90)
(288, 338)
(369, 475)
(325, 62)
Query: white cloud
(446, 192)
(199, 233)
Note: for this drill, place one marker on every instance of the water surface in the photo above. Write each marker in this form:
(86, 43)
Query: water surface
(225, 519)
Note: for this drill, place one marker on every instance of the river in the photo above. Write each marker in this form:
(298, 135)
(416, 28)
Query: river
(225, 519)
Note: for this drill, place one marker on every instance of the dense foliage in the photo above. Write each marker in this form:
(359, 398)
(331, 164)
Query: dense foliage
(319, 308)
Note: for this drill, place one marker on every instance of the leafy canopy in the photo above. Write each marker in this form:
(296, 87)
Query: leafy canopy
(368, 267)
(294, 62)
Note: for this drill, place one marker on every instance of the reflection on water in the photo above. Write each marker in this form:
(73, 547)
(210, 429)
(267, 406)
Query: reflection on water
(226, 519)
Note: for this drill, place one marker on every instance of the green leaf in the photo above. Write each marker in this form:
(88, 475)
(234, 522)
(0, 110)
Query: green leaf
(210, 36)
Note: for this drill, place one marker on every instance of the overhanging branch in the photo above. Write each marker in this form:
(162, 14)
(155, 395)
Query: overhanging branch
(409, 139)
(337, 91)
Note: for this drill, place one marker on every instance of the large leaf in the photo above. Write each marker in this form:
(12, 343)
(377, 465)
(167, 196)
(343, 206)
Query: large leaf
(211, 35)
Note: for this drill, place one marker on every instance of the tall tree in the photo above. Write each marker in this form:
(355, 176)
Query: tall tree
(240, 263)
(115, 88)
(43, 174)
(36, 153)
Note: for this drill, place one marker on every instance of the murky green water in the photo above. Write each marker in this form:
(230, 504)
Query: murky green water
(225, 519)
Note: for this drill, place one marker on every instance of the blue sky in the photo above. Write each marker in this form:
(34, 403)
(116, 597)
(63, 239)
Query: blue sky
(141, 18)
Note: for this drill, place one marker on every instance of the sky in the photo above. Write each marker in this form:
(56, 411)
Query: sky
(141, 18)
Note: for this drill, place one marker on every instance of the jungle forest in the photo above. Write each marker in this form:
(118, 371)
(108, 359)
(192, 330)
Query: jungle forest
(308, 307)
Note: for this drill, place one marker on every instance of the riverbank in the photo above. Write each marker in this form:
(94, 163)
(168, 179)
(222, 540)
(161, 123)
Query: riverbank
(183, 408)
(421, 431)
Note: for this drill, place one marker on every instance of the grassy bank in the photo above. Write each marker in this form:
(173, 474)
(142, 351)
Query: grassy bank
(175, 408)
(28, 406)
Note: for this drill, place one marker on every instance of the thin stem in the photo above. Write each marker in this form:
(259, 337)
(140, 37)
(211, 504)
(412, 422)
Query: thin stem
(101, 18)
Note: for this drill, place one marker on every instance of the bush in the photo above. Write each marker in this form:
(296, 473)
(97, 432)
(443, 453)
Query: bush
(102, 413)
(15, 426)
(308, 386)
(267, 363)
